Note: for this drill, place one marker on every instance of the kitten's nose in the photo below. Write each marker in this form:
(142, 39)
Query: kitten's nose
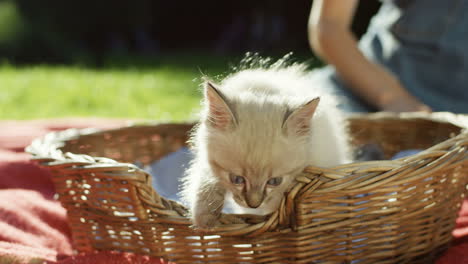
(254, 199)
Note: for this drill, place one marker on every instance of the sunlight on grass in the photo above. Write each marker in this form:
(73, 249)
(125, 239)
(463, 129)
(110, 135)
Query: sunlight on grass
(164, 93)
(166, 88)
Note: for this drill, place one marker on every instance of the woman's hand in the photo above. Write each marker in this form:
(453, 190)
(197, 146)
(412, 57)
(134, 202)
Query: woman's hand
(404, 103)
(383, 90)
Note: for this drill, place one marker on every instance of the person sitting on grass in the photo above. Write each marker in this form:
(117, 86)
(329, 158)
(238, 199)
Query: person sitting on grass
(413, 56)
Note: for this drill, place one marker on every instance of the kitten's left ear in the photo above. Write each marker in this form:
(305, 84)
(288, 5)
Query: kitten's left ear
(298, 122)
(220, 114)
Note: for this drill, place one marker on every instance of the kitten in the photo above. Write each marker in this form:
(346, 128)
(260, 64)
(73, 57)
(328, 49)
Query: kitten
(259, 129)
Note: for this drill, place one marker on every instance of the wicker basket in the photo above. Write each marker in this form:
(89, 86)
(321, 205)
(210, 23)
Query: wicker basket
(400, 211)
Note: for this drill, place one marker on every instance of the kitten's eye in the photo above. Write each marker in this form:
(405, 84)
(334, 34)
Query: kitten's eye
(275, 181)
(236, 179)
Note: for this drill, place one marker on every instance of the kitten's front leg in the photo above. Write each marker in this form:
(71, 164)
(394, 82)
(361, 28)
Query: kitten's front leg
(208, 204)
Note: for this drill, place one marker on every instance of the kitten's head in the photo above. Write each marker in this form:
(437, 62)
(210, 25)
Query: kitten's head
(256, 147)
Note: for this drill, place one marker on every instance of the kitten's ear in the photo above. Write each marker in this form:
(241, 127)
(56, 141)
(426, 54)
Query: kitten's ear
(220, 114)
(298, 121)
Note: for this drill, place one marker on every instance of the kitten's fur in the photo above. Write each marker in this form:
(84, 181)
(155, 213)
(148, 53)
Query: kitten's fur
(259, 124)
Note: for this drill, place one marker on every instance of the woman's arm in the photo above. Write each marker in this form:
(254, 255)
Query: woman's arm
(332, 40)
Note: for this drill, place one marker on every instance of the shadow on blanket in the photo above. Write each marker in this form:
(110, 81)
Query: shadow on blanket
(33, 226)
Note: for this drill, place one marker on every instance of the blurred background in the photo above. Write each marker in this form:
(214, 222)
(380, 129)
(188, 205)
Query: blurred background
(140, 58)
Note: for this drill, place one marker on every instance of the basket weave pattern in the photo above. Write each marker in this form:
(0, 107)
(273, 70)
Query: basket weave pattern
(400, 211)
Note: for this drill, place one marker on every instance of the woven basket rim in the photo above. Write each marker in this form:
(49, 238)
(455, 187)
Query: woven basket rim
(57, 138)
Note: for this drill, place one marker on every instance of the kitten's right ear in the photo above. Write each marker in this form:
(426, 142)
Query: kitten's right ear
(220, 114)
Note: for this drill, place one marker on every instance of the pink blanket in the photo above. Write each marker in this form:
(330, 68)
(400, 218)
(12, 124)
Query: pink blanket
(33, 226)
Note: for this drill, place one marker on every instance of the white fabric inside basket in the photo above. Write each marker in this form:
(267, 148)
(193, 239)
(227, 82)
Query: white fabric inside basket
(168, 172)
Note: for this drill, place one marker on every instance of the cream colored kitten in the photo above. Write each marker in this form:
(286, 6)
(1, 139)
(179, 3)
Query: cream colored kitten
(259, 129)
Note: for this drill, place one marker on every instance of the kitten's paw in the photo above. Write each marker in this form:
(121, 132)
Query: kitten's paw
(205, 221)
(232, 219)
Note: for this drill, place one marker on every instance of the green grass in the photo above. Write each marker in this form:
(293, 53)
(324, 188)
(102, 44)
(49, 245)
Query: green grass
(162, 88)
(165, 90)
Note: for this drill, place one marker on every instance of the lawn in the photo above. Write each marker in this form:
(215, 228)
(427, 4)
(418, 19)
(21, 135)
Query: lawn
(161, 88)
(164, 89)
